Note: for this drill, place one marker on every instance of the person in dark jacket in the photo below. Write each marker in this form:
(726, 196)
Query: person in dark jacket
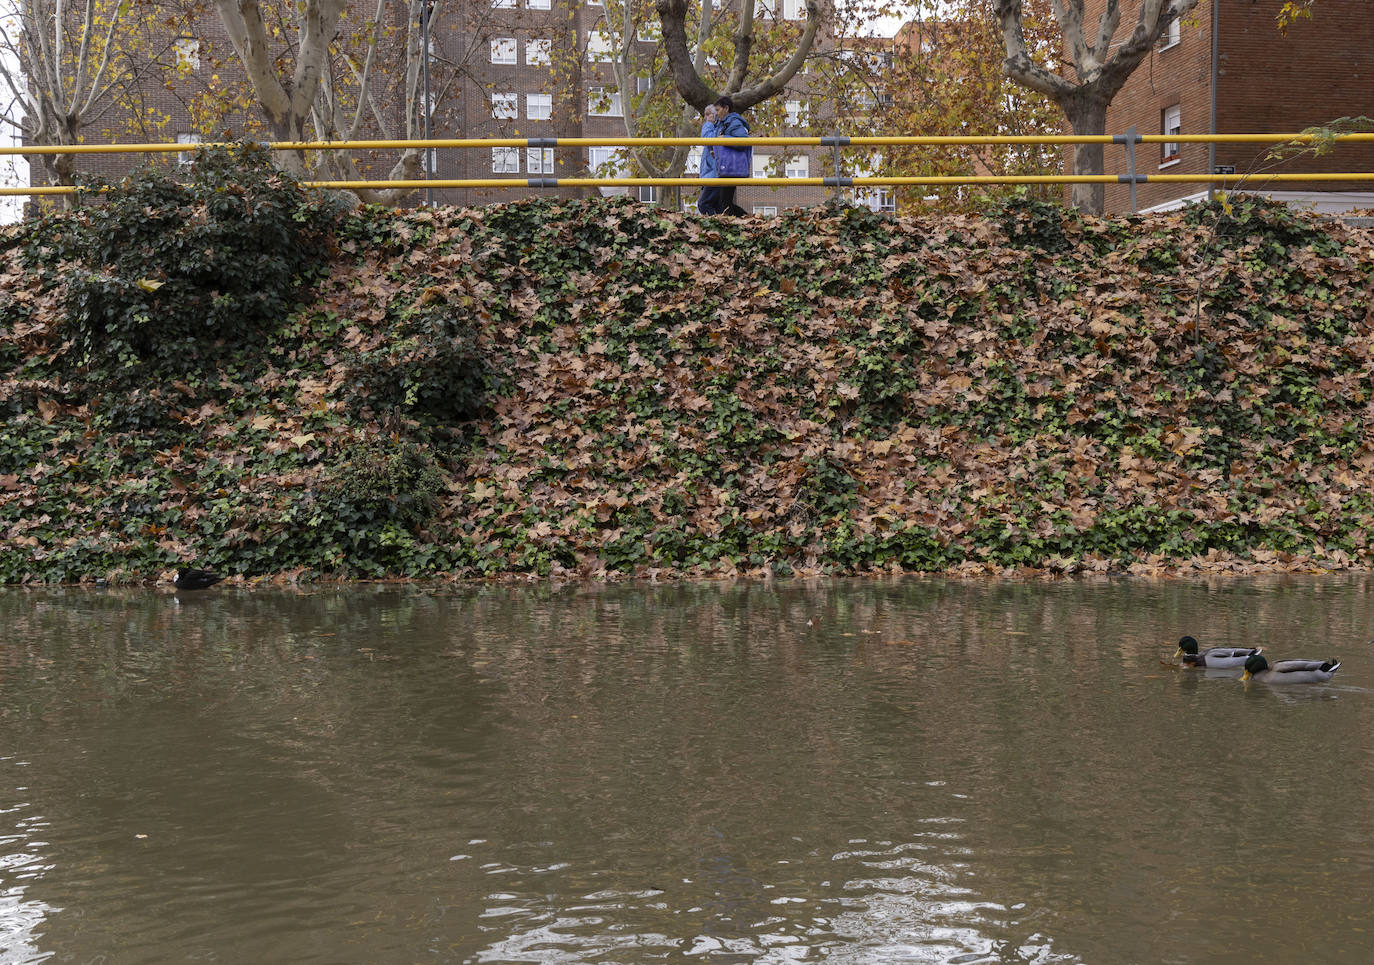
(709, 202)
(719, 120)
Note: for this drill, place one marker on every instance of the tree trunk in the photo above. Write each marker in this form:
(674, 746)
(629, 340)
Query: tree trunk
(672, 15)
(1101, 68)
(1087, 116)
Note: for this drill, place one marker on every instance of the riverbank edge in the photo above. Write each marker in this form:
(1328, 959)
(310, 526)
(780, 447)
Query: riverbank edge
(1024, 394)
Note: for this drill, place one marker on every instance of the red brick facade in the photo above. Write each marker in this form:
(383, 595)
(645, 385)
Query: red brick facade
(466, 75)
(1266, 82)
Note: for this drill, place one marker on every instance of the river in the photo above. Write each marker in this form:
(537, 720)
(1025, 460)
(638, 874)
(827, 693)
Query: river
(881, 771)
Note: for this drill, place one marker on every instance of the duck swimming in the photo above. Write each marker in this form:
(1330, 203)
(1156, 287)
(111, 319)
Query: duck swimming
(1290, 671)
(1222, 657)
(189, 579)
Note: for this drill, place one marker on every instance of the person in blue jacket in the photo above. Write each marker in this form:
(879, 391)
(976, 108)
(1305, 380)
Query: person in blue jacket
(719, 120)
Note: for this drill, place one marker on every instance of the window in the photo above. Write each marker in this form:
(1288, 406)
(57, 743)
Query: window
(187, 51)
(797, 167)
(648, 194)
(539, 107)
(537, 52)
(794, 111)
(539, 160)
(766, 210)
(503, 50)
(1172, 35)
(762, 164)
(537, 4)
(861, 98)
(649, 32)
(1171, 124)
(607, 162)
(184, 157)
(505, 107)
(794, 9)
(600, 50)
(694, 159)
(505, 160)
(643, 84)
(503, 4)
(882, 199)
(603, 103)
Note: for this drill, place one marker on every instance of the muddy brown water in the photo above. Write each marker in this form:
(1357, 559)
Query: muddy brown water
(847, 771)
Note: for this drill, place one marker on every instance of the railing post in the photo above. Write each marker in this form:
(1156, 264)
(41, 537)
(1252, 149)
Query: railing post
(839, 171)
(1131, 138)
(836, 141)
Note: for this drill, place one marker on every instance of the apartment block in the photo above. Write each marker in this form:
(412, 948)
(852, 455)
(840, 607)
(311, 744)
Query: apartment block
(528, 69)
(1227, 69)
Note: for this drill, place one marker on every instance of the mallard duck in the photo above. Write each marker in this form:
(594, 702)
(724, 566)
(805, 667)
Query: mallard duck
(1222, 657)
(189, 579)
(1290, 671)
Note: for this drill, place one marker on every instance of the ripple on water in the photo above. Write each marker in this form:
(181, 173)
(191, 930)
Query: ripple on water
(839, 910)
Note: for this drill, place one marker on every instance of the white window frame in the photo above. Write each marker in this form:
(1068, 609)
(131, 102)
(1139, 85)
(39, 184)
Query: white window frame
(766, 210)
(538, 52)
(503, 4)
(794, 112)
(649, 32)
(762, 163)
(597, 156)
(614, 105)
(1171, 122)
(1172, 35)
(600, 47)
(185, 157)
(539, 160)
(793, 9)
(505, 160)
(504, 51)
(539, 107)
(539, 4)
(694, 159)
(882, 198)
(187, 52)
(797, 167)
(505, 106)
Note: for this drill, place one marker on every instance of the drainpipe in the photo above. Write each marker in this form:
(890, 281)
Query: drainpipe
(1212, 127)
(429, 113)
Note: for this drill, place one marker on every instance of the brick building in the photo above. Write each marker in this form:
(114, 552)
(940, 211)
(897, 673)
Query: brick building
(1227, 69)
(536, 69)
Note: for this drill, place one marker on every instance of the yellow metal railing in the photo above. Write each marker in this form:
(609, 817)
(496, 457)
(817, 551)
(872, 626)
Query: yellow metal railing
(836, 142)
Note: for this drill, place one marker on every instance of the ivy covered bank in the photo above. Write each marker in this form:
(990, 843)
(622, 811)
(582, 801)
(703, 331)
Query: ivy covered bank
(235, 373)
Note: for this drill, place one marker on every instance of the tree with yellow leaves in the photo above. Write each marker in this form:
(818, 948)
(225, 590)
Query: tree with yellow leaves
(66, 66)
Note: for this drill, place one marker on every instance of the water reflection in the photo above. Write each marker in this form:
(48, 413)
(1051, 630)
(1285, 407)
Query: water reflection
(867, 772)
(22, 862)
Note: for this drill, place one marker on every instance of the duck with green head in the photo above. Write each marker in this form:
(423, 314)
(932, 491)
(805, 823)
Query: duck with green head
(1223, 657)
(1290, 671)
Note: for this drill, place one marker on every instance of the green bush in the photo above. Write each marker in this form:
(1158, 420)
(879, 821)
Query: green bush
(170, 271)
(378, 482)
(1032, 223)
(430, 367)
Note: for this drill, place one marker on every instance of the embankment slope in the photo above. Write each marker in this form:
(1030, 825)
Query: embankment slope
(599, 388)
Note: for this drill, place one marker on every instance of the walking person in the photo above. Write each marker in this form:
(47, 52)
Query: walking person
(730, 124)
(720, 120)
(709, 202)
